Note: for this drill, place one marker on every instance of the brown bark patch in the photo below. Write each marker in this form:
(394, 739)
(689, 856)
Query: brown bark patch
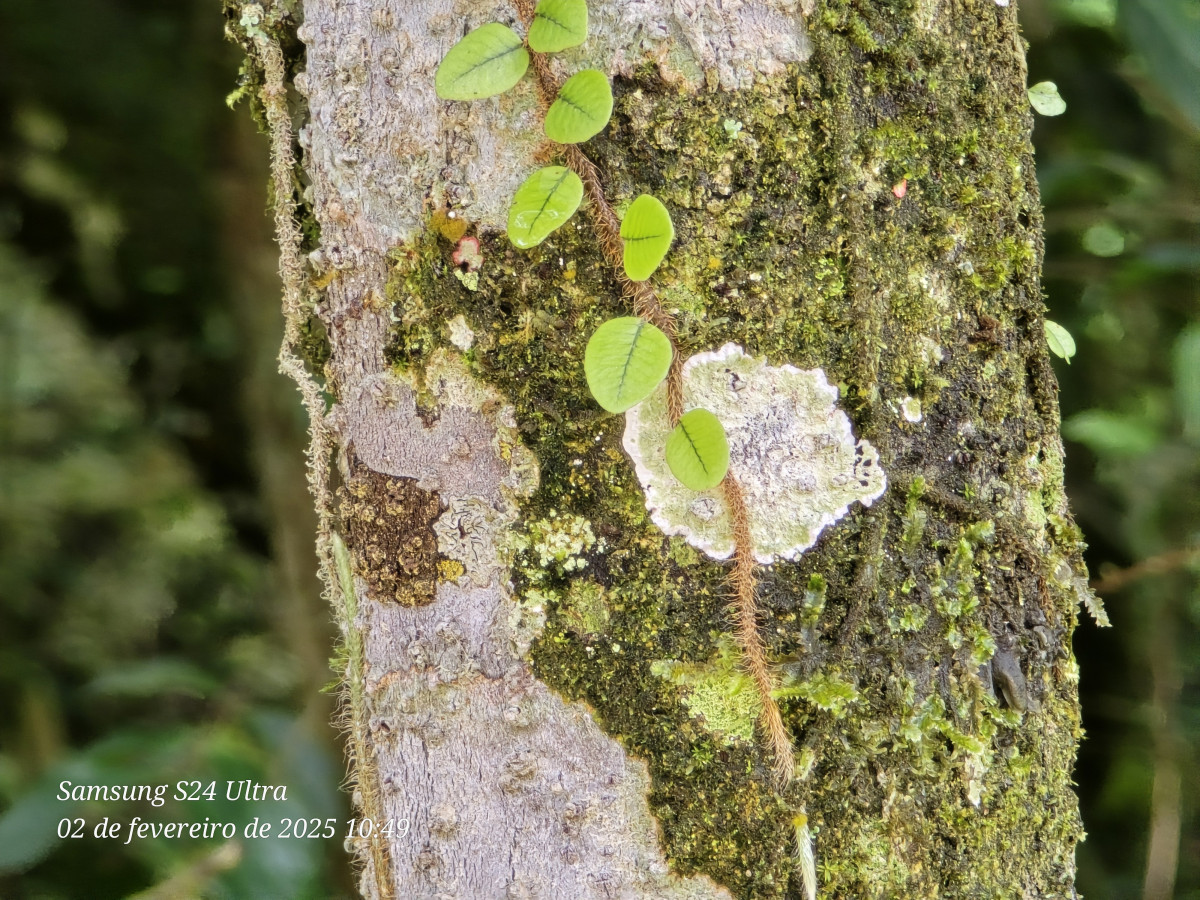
(388, 522)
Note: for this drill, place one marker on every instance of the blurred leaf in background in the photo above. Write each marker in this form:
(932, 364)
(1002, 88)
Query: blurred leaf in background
(1120, 178)
(1165, 38)
(122, 588)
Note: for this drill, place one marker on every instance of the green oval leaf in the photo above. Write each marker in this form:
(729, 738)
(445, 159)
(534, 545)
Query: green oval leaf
(698, 451)
(1112, 434)
(1104, 239)
(558, 24)
(1061, 343)
(487, 61)
(1045, 98)
(543, 203)
(1185, 358)
(647, 232)
(624, 362)
(582, 109)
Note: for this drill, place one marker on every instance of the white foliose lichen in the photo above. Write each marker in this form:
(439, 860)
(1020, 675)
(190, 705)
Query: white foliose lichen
(562, 540)
(791, 448)
(461, 334)
(466, 532)
(910, 409)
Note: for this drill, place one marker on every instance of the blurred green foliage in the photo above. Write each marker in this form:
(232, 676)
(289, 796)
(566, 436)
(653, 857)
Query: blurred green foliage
(136, 642)
(137, 639)
(1120, 179)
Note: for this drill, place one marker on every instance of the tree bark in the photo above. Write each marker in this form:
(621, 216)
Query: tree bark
(540, 682)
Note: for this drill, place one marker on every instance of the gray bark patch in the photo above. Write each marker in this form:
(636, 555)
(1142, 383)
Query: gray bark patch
(510, 793)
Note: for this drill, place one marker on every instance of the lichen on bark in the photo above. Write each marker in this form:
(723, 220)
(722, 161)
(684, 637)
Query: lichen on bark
(791, 449)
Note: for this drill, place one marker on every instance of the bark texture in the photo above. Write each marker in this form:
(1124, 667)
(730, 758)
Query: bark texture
(541, 681)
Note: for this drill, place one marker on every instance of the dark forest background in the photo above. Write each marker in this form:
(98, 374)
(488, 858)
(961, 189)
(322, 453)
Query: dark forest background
(159, 615)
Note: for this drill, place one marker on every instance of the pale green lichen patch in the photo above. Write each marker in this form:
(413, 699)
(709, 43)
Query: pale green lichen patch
(461, 335)
(527, 617)
(910, 409)
(561, 541)
(719, 692)
(584, 609)
(466, 534)
(790, 447)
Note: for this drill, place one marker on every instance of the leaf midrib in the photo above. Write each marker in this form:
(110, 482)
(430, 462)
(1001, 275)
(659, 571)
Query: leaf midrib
(549, 196)
(569, 102)
(484, 62)
(637, 336)
(557, 24)
(692, 444)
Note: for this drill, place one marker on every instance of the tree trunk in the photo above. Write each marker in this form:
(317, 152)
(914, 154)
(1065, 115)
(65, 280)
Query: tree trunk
(545, 695)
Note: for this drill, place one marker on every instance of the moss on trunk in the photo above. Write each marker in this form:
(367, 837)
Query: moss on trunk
(874, 214)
